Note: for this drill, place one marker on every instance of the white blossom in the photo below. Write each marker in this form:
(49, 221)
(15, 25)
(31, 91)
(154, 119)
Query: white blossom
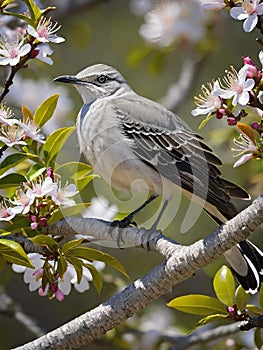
(22, 202)
(213, 5)
(12, 135)
(62, 197)
(31, 130)
(12, 49)
(42, 188)
(45, 31)
(171, 22)
(249, 12)
(33, 277)
(237, 86)
(208, 102)
(100, 209)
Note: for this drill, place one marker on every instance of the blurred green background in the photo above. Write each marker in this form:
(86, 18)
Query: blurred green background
(107, 32)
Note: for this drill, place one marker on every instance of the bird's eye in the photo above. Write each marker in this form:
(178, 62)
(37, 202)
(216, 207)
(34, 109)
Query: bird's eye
(102, 78)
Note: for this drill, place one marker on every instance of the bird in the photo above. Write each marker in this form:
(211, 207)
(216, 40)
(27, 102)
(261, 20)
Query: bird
(136, 144)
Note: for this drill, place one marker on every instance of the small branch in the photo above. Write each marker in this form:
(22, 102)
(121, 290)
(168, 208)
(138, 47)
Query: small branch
(11, 309)
(203, 337)
(159, 281)
(177, 92)
(27, 244)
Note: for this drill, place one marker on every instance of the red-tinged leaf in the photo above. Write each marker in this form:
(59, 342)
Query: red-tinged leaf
(26, 113)
(246, 130)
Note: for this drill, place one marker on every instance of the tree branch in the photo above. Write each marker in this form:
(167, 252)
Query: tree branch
(138, 295)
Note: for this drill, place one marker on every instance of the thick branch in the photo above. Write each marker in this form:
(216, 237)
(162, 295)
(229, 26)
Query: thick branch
(138, 295)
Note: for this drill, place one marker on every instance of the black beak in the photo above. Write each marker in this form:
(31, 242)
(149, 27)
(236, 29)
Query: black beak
(66, 79)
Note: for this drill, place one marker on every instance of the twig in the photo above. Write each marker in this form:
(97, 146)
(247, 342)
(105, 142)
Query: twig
(11, 309)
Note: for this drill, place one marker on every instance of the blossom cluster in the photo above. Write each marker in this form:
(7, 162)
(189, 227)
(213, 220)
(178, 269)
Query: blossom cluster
(38, 199)
(59, 287)
(14, 132)
(28, 42)
(234, 97)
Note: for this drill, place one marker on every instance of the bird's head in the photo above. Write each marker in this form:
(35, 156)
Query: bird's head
(95, 82)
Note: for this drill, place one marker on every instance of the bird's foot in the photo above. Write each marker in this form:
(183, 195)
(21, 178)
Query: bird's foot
(125, 222)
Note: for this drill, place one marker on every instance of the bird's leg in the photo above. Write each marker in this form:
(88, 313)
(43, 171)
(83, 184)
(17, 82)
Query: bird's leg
(128, 220)
(150, 233)
(156, 222)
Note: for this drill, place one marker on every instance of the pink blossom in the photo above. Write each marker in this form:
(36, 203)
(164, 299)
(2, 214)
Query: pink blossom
(236, 86)
(13, 49)
(5, 212)
(207, 103)
(45, 31)
(42, 188)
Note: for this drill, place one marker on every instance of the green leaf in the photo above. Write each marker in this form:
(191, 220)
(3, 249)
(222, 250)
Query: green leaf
(12, 180)
(14, 159)
(11, 161)
(2, 262)
(241, 298)
(77, 263)
(73, 170)
(24, 18)
(203, 123)
(258, 338)
(84, 181)
(96, 277)
(260, 298)
(62, 266)
(55, 142)
(6, 2)
(198, 304)
(35, 171)
(61, 213)
(76, 171)
(94, 254)
(34, 10)
(14, 253)
(71, 245)
(208, 319)
(253, 308)
(45, 111)
(43, 240)
(224, 285)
